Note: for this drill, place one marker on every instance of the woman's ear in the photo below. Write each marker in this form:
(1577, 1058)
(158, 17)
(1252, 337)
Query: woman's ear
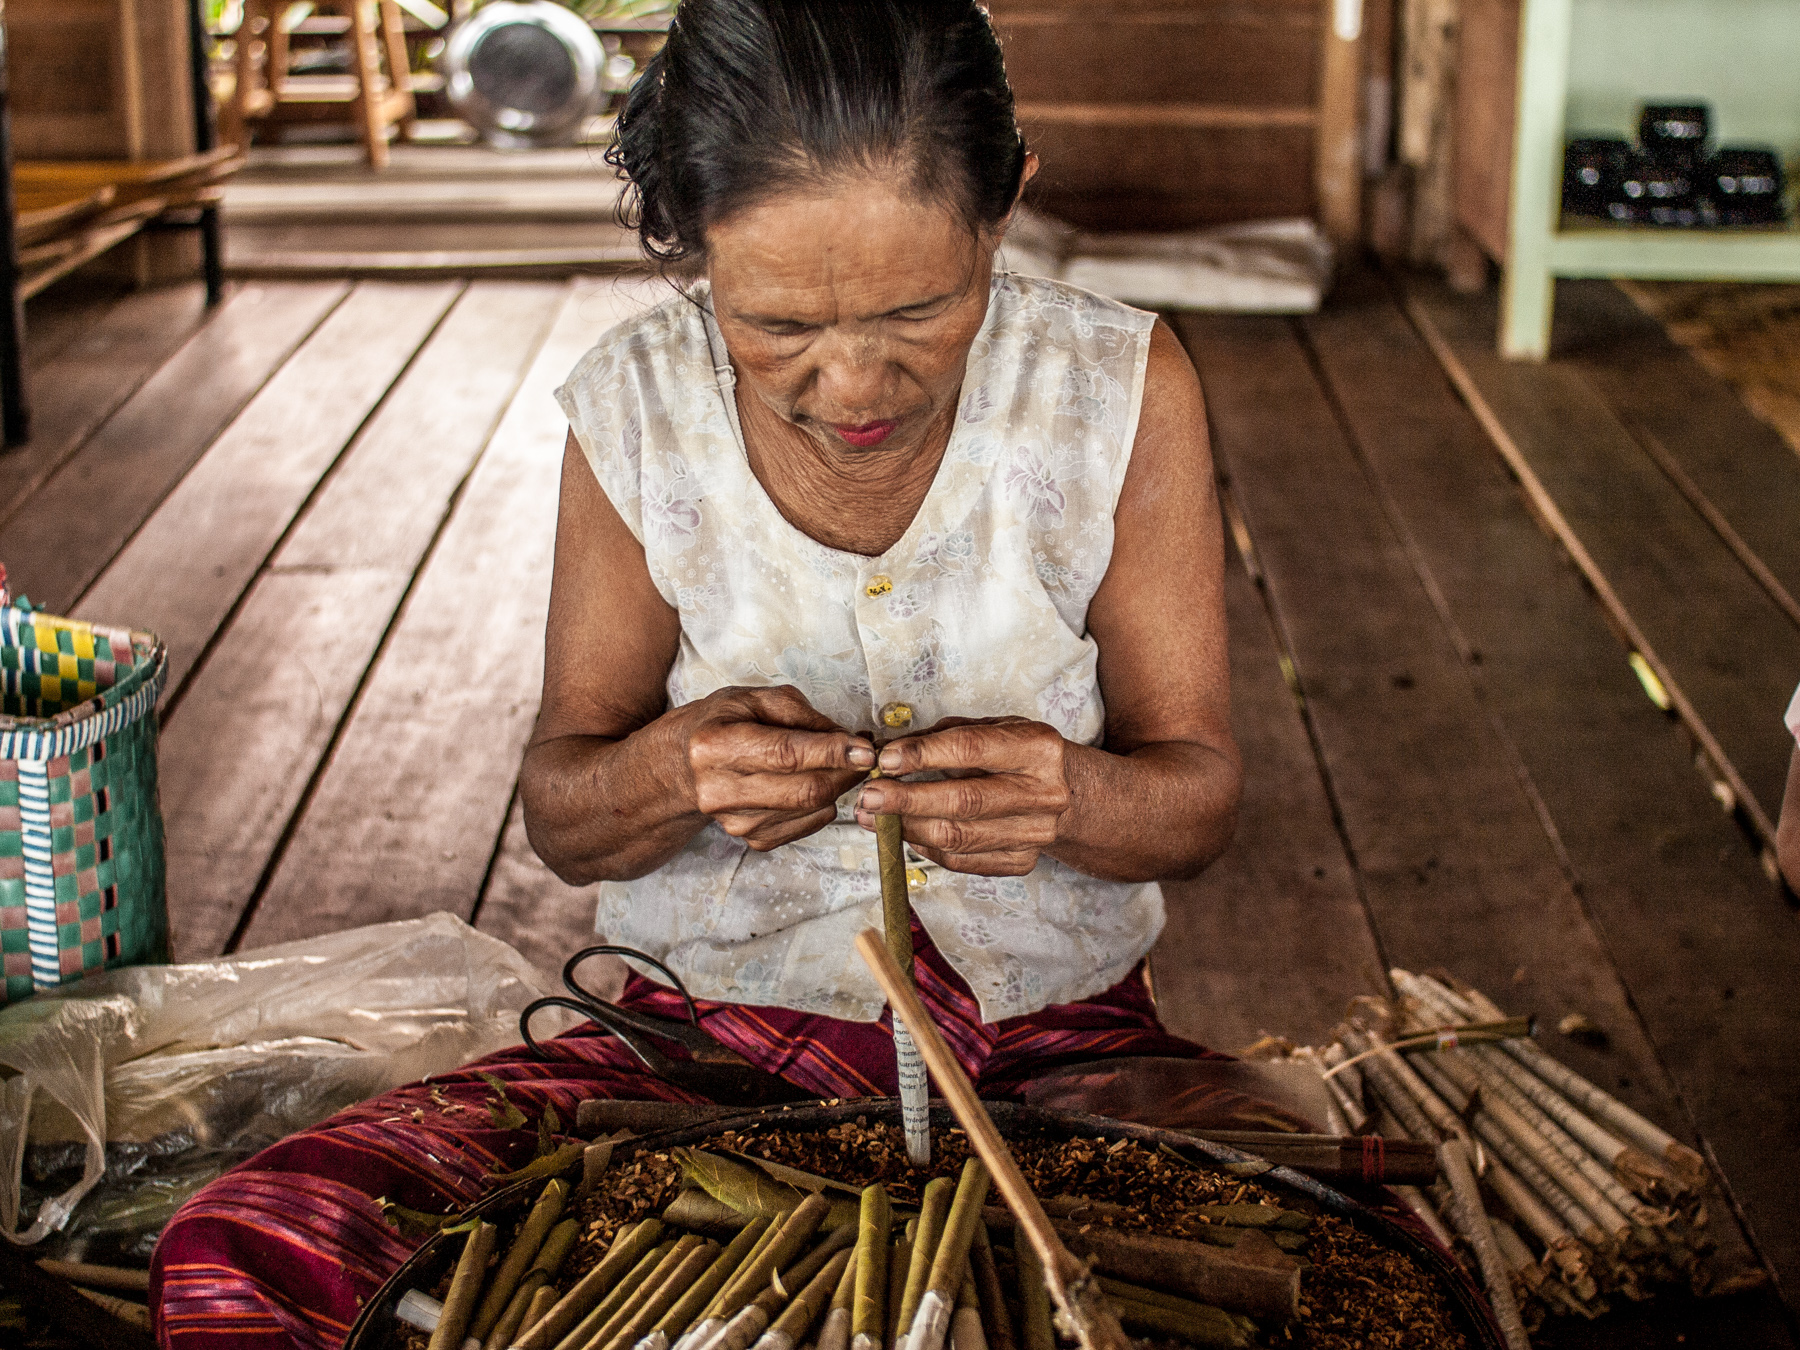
(1025, 176)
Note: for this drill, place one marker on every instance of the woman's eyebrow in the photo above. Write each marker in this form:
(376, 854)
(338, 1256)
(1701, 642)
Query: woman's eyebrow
(917, 304)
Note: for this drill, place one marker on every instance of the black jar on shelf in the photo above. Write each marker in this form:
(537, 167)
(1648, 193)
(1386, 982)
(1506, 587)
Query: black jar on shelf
(1742, 185)
(1655, 192)
(1675, 133)
(1594, 173)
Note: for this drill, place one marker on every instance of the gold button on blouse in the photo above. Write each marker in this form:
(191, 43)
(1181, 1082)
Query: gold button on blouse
(878, 585)
(896, 715)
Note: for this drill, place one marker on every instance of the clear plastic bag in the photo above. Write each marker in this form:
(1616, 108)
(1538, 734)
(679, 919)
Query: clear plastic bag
(133, 1089)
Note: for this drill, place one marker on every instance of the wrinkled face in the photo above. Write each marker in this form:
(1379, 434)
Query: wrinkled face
(849, 308)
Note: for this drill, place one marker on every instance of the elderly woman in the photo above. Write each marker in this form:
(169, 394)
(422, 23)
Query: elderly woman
(854, 499)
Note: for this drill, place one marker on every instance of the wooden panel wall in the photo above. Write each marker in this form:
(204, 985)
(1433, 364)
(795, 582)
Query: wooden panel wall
(1487, 80)
(1167, 114)
(99, 79)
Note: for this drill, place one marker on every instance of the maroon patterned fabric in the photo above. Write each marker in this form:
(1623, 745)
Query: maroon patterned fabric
(285, 1249)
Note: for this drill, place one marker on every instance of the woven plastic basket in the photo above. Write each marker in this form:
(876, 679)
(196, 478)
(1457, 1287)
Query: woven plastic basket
(81, 842)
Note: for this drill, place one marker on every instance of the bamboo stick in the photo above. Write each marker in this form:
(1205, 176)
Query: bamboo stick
(1599, 1104)
(120, 1278)
(689, 1306)
(1080, 1299)
(629, 1246)
(1472, 1222)
(465, 1288)
(950, 1262)
(868, 1312)
(996, 1318)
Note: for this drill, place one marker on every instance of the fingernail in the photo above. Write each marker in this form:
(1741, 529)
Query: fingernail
(861, 756)
(871, 799)
(890, 759)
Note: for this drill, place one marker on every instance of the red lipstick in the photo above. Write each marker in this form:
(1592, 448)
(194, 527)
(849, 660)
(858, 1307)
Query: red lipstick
(866, 435)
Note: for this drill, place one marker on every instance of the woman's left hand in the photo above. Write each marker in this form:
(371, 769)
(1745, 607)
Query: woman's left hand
(999, 805)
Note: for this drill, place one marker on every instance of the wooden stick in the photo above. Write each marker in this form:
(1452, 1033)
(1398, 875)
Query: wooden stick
(1073, 1286)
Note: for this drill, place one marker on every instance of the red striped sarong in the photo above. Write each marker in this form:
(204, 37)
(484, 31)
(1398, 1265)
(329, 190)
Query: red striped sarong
(285, 1249)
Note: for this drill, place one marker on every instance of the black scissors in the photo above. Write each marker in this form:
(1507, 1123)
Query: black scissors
(713, 1070)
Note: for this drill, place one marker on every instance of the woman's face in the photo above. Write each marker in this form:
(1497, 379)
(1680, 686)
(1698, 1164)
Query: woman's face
(849, 308)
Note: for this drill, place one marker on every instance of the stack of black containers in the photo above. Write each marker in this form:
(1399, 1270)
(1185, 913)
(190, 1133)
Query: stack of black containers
(1669, 178)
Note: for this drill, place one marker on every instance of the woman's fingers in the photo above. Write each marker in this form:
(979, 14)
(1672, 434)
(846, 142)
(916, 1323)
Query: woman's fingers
(1006, 744)
(982, 797)
(1009, 863)
(752, 748)
(765, 830)
(732, 793)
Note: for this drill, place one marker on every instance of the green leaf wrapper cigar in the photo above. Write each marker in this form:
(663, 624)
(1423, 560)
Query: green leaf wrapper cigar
(629, 1246)
(549, 1260)
(541, 1303)
(965, 1322)
(593, 1331)
(1154, 1313)
(626, 1286)
(1039, 1333)
(710, 1320)
(868, 1311)
(667, 1294)
(804, 1308)
(950, 1262)
(834, 1332)
(751, 1282)
(755, 1317)
(702, 1292)
(465, 1288)
(996, 1317)
(899, 1264)
(934, 1209)
(519, 1257)
(788, 1283)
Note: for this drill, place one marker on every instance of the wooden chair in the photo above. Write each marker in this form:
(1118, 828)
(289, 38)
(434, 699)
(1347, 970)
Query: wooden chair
(376, 95)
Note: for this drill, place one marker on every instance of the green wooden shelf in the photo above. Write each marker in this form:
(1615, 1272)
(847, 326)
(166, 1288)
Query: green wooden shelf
(1544, 245)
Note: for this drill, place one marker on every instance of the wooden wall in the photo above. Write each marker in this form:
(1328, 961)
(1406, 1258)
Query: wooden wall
(99, 79)
(1166, 114)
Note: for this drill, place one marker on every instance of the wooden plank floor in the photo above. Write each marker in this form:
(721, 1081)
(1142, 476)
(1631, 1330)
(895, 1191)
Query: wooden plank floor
(337, 499)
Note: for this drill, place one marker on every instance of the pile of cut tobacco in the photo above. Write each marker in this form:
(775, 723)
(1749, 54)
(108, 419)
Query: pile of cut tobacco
(791, 1240)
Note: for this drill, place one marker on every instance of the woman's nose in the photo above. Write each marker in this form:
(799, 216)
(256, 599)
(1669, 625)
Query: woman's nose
(853, 375)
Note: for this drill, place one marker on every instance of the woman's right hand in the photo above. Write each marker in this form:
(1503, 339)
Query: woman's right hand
(767, 765)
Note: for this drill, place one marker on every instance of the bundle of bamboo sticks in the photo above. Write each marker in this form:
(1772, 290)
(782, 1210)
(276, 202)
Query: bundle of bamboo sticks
(1557, 1195)
(810, 1271)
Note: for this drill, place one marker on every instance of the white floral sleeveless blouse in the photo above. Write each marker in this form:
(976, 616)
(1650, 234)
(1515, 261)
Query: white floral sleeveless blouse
(980, 610)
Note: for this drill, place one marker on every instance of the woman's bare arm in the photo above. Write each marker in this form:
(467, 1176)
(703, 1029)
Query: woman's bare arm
(1158, 799)
(615, 782)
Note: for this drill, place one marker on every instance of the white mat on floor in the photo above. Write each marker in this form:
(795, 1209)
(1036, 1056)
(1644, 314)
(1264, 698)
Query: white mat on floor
(1259, 267)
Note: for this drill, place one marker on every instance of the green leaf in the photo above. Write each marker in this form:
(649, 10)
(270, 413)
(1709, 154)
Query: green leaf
(547, 1165)
(745, 1189)
(415, 1222)
(505, 1115)
(795, 1177)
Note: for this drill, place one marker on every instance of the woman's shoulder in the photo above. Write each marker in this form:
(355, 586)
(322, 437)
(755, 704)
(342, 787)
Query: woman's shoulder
(1069, 312)
(652, 347)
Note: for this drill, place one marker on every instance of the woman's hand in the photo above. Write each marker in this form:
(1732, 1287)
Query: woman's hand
(1000, 804)
(767, 765)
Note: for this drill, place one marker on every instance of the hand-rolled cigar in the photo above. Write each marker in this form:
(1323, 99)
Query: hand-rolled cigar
(1039, 1332)
(544, 1269)
(593, 1332)
(790, 1328)
(950, 1262)
(1197, 1319)
(965, 1322)
(788, 1283)
(699, 1212)
(751, 1301)
(599, 1115)
(710, 1321)
(419, 1309)
(899, 1265)
(536, 1310)
(1331, 1157)
(868, 1312)
(617, 1297)
(1268, 1290)
(1205, 1328)
(652, 1310)
(834, 1332)
(795, 1232)
(1472, 1222)
(996, 1318)
(690, 1305)
(934, 1209)
(519, 1256)
(465, 1288)
(628, 1247)
(120, 1278)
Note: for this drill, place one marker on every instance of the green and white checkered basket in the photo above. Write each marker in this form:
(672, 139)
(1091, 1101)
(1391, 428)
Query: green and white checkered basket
(81, 841)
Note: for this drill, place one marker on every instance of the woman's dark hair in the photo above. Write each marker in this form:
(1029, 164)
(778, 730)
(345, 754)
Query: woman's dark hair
(750, 97)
